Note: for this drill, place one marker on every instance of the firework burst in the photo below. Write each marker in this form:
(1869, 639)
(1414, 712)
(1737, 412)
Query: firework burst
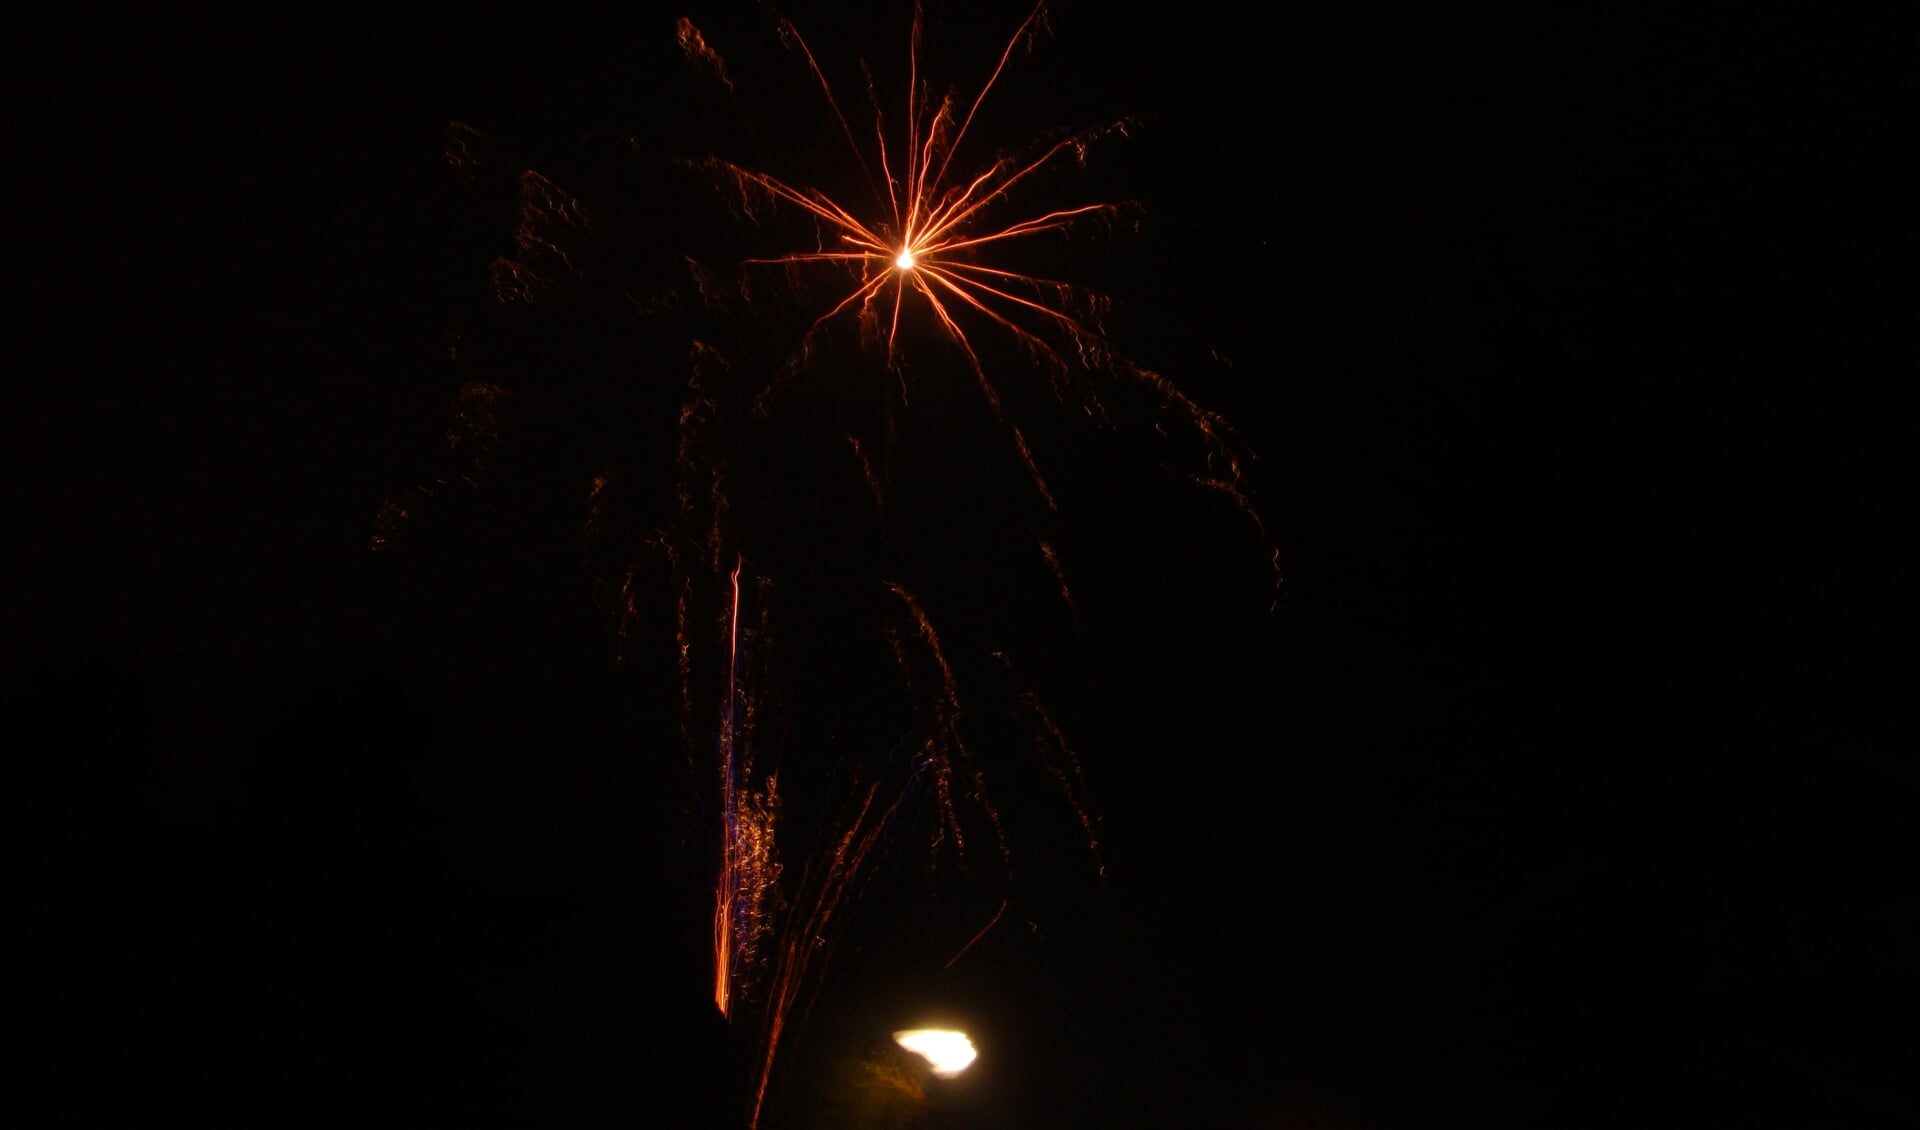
(932, 226)
(924, 256)
(928, 238)
(923, 247)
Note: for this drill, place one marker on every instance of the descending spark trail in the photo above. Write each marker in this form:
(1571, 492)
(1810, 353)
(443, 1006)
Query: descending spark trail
(748, 867)
(734, 838)
(831, 882)
(778, 944)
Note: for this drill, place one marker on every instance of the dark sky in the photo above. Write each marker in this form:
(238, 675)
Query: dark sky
(1557, 787)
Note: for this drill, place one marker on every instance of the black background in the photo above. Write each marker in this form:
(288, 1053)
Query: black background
(1557, 788)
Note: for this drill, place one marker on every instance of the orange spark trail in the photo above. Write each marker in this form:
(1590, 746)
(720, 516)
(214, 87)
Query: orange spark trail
(991, 923)
(749, 805)
(729, 865)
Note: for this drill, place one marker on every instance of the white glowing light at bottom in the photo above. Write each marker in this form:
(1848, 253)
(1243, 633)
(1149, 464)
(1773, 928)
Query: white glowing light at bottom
(948, 1052)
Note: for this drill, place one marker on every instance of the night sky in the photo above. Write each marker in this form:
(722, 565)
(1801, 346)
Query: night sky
(1555, 786)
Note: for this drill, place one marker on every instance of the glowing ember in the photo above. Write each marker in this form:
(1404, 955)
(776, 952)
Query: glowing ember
(948, 1052)
(905, 261)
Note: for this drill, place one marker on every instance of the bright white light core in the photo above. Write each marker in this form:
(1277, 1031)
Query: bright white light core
(905, 262)
(948, 1052)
